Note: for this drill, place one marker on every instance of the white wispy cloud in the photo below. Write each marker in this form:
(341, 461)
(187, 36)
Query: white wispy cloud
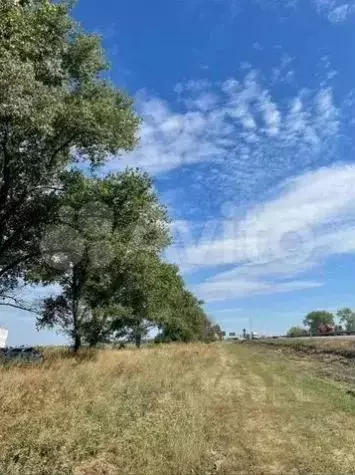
(228, 311)
(337, 11)
(213, 291)
(239, 128)
(312, 218)
(309, 213)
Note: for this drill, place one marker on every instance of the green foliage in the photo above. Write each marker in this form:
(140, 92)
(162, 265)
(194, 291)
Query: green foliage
(347, 317)
(316, 318)
(114, 230)
(114, 282)
(186, 320)
(56, 109)
(100, 240)
(154, 294)
(297, 332)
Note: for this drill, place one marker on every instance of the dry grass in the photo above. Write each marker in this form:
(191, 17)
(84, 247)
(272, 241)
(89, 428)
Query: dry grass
(337, 345)
(129, 412)
(192, 409)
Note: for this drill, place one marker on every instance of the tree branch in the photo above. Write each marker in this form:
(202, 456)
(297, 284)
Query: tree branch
(19, 305)
(60, 148)
(16, 262)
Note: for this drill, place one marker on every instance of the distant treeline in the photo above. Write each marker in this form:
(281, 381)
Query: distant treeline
(322, 322)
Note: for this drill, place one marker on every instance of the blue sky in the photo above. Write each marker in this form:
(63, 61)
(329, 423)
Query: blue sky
(248, 109)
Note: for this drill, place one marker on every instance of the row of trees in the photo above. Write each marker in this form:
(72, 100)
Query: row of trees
(98, 238)
(319, 319)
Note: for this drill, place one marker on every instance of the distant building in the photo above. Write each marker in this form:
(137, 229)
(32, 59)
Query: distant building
(3, 337)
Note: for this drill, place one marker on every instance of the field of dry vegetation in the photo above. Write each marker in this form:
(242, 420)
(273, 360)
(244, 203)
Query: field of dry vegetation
(175, 410)
(335, 346)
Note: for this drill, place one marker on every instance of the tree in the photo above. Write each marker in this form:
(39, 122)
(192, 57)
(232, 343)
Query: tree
(217, 332)
(56, 108)
(297, 332)
(347, 317)
(137, 332)
(316, 318)
(155, 295)
(113, 228)
(185, 319)
(143, 284)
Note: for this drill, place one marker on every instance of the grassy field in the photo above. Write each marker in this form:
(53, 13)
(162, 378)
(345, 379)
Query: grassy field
(336, 345)
(177, 410)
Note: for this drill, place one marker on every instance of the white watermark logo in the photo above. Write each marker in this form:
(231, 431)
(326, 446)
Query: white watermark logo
(85, 233)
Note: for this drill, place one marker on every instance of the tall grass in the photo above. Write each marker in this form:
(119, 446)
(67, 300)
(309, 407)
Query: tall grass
(174, 410)
(129, 412)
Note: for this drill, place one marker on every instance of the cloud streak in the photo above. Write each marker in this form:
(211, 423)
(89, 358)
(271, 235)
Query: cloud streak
(312, 219)
(214, 291)
(335, 11)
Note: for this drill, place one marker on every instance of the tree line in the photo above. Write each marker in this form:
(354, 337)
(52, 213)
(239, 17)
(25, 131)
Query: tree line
(322, 321)
(99, 238)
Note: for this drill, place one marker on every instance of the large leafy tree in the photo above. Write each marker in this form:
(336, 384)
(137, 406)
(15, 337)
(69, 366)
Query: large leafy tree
(141, 283)
(347, 317)
(154, 294)
(112, 227)
(316, 318)
(56, 108)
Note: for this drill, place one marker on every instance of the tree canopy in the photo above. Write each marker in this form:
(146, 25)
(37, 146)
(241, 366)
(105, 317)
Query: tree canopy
(347, 317)
(112, 229)
(56, 108)
(316, 318)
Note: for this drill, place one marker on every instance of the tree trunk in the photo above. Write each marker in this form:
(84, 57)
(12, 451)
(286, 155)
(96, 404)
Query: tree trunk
(138, 338)
(76, 284)
(77, 341)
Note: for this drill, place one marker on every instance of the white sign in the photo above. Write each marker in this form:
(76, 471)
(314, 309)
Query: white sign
(3, 337)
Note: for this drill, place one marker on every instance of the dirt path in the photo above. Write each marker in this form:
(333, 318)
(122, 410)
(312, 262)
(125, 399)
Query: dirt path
(275, 417)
